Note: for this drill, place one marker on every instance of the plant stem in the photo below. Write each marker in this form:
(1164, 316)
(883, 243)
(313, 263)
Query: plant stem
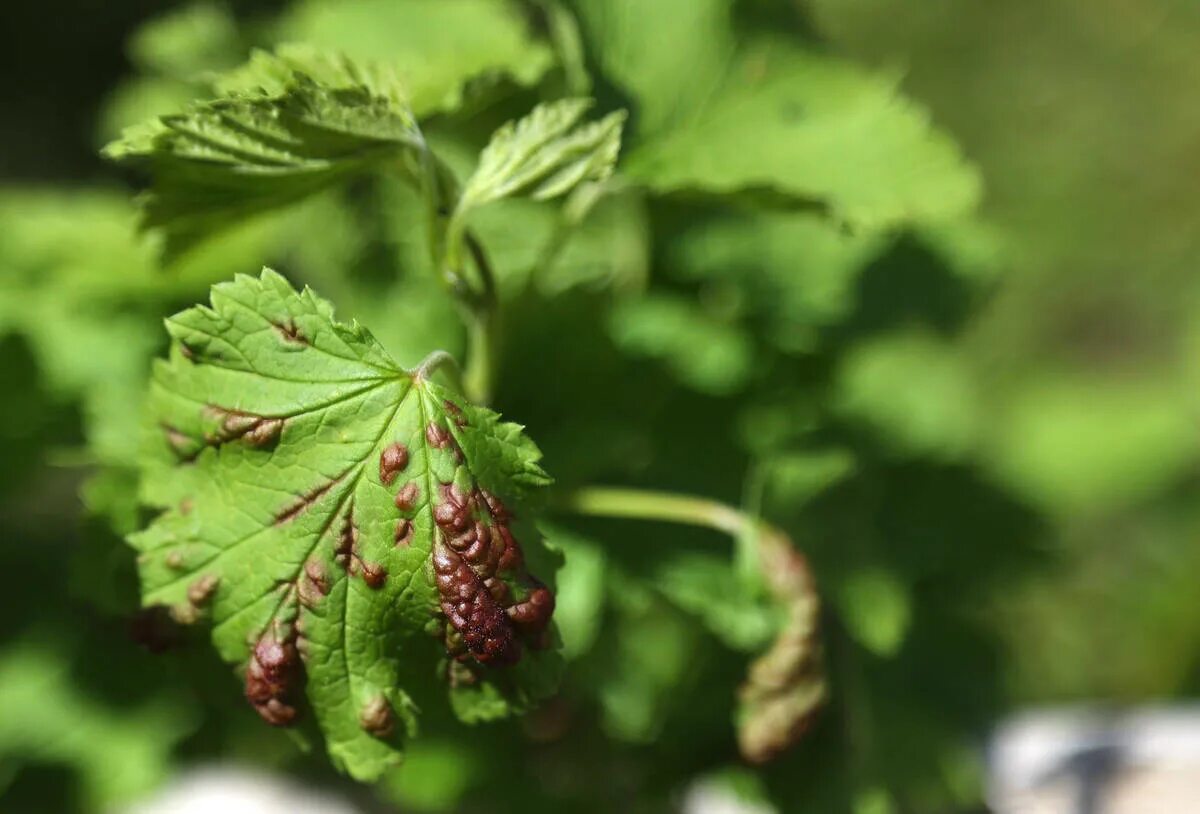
(448, 236)
(607, 501)
(436, 361)
(482, 328)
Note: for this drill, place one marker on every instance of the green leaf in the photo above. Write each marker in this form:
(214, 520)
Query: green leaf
(876, 609)
(580, 605)
(916, 390)
(711, 355)
(312, 490)
(706, 586)
(290, 124)
(544, 155)
(436, 49)
(120, 753)
(797, 270)
(670, 55)
(184, 42)
(818, 129)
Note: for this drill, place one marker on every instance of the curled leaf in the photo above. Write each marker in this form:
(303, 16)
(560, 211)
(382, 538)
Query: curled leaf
(785, 687)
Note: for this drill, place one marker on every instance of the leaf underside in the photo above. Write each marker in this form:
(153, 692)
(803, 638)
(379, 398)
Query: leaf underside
(339, 522)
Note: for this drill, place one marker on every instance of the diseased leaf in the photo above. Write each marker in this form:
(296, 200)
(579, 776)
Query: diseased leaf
(331, 516)
(290, 124)
(544, 155)
(785, 686)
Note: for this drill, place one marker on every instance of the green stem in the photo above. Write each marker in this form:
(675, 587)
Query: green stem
(482, 328)
(439, 360)
(448, 237)
(607, 501)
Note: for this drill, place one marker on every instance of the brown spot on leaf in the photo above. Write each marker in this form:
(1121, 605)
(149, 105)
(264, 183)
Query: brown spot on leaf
(403, 533)
(406, 498)
(271, 675)
(313, 584)
(264, 433)
(254, 430)
(470, 608)
(295, 509)
(185, 506)
(174, 559)
(392, 461)
(437, 435)
(475, 557)
(455, 412)
(347, 540)
(534, 612)
(290, 332)
(202, 590)
(377, 718)
(345, 554)
(373, 573)
(183, 445)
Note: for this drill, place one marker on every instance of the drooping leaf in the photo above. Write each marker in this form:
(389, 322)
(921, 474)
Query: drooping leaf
(326, 511)
(289, 124)
(545, 155)
(436, 48)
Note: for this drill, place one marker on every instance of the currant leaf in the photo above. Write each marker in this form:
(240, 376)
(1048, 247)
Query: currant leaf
(288, 125)
(332, 516)
(544, 155)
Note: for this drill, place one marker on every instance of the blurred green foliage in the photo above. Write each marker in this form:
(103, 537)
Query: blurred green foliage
(964, 387)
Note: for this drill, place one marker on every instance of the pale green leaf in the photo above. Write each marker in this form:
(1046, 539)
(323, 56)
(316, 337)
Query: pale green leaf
(301, 472)
(545, 155)
(435, 48)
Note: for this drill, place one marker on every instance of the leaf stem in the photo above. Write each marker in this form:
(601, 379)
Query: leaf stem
(609, 501)
(436, 361)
